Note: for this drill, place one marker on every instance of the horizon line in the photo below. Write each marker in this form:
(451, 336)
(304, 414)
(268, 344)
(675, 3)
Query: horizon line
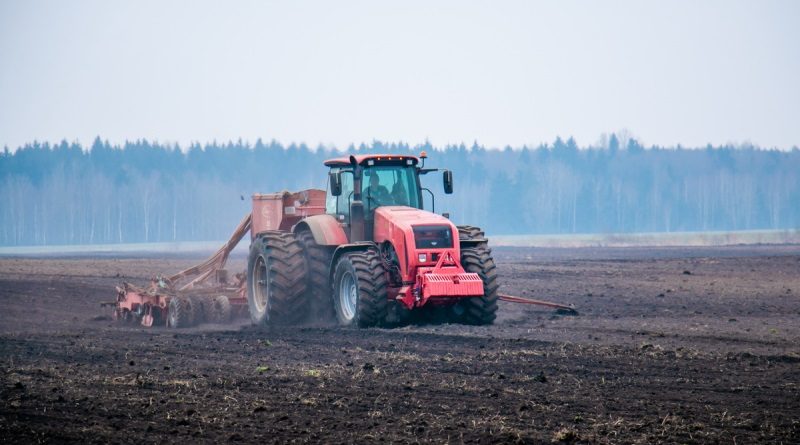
(600, 144)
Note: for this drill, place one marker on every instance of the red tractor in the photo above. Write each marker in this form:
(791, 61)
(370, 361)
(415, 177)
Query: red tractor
(368, 247)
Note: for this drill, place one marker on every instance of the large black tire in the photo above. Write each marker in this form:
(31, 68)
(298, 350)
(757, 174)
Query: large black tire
(318, 259)
(199, 306)
(360, 290)
(276, 279)
(180, 313)
(470, 233)
(477, 258)
(218, 310)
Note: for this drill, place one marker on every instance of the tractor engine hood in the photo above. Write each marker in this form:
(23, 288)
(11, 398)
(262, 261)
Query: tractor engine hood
(404, 219)
(410, 216)
(428, 253)
(398, 224)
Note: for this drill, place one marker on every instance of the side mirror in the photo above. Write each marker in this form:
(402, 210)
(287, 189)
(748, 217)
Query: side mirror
(335, 179)
(447, 176)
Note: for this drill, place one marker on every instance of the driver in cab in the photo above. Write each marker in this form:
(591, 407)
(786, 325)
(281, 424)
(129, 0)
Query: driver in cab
(377, 194)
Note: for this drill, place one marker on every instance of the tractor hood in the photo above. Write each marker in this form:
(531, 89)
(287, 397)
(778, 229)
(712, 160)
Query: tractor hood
(405, 218)
(412, 232)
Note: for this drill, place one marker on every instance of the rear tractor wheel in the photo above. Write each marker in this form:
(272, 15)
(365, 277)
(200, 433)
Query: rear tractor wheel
(318, 259)
(276, 279)
(359, 290)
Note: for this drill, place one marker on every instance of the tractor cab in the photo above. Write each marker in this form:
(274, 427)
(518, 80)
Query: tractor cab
(360, 184)
(385, 180)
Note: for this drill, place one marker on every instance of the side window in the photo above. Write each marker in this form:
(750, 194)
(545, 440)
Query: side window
(340, 205)
(330, 202)
(343, 207)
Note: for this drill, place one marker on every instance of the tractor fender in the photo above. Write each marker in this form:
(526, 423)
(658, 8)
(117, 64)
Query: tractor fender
(326, 230)
(347, 248)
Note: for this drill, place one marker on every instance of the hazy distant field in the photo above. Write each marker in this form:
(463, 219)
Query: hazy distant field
(555, 241)
(651, 239)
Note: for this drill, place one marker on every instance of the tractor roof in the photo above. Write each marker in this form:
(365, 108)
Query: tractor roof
(363, 159)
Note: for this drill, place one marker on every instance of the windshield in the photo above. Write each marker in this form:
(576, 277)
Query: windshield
(381, 186)
(390, 185)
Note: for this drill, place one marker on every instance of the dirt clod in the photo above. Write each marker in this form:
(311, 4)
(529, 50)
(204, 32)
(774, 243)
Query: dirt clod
(565, 435)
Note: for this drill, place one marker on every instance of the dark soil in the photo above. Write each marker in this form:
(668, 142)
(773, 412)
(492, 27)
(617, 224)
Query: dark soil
(671, 346)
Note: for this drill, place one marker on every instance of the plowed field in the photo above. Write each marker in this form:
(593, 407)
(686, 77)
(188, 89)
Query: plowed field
(677, 345)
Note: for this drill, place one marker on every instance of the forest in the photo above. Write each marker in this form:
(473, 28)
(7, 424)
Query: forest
(140, 191)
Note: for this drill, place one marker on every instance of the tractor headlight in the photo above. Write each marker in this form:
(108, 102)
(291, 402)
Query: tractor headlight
(423, 258)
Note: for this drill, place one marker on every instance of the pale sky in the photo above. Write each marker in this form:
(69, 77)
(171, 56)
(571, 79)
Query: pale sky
(341, 72)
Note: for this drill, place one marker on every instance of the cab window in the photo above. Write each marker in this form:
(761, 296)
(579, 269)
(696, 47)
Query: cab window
(340, 205)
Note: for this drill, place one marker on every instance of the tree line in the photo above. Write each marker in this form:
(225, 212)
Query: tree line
(143, 191)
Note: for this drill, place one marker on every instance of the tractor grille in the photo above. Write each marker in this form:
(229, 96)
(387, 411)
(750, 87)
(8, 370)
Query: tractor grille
(433, 237)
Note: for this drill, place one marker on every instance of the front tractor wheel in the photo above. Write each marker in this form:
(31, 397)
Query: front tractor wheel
(276, 271)
(480, 310)
(477, 258)
(359, 290)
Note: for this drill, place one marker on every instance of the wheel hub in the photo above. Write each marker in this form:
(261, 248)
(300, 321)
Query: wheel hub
(261, 285)
(348, 295)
